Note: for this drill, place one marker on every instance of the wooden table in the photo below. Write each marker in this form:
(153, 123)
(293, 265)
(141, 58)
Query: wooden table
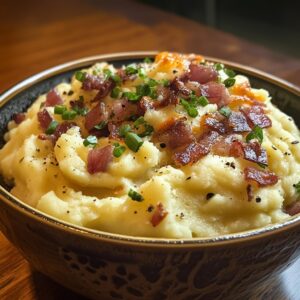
(35, 35)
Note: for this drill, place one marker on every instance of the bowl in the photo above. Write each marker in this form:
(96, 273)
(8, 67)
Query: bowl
(111, 266)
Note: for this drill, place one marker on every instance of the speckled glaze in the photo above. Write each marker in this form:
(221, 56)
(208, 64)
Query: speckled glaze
(104, 266)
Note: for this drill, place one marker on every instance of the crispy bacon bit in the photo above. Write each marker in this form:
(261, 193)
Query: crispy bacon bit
(44, 118)
(60, 129)
(144, 104)
(238, 123)
(224, 145)
(18, 118)
(92, 82)
(194, 86)
(99, 159)
(216, 93)
(53, 98)
(250, 192)
(250, 151)
(202, 74)
(77, 104)
(159, 214)
(124, 76)
(262, 178)
(105, 89)
(216, 122)
(257, 116)
(166, 97)
(96, 115)
(293, 208)
(194, 151)
(179, 88)
(113, 131)
(122, 110)
(175, 133)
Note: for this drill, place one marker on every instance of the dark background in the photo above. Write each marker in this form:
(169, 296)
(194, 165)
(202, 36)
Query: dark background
(272, 23)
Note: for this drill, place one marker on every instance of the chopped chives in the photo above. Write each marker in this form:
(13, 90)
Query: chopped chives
(141, 73)
(107, 73)
(229, 82)
(138, 122)
(51, 128)
(80, 76)
(230, 73)
(124, 129)
(148, 130)
(69, 115)
(118, 151)
(131, 96)
(59, 109)
(190, 109)
(131, 69)
(297, 187)
(115, 92)
(256, 133)
(148, 60)
(133, 141)
(116, 78)
(91, 140)
(225, 111)
(203, 101)
(135, 196)
(219, 66)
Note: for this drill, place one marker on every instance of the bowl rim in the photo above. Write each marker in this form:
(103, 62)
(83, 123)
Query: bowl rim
(239, 237)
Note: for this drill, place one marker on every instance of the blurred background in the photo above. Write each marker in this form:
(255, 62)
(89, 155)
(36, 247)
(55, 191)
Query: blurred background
(272, 23)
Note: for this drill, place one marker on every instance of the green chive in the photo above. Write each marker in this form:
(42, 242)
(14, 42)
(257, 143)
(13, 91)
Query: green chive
(101, 125)
(139, 121)
(297, 187)
(116, 78)
(190, 109)
(124, 129)
(80, 76)
(143, 90)
(59, 109)
(229, 82)
(164, 82)
(131, 69)
(148, 130)
(262, 165)
(256, 133)
(230, 73)
(131, 96)
(118, 151)
(219, 66)
(148, 60)
(152, 82)
(133, 141)
(203, 101)
(91, 140)
(225, 111)
(141, 73)
(107, 73)
(115, 92)
(135, 196)
(51, 128)
(69, 115)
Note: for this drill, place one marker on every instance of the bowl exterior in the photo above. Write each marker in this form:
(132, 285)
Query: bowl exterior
(113, 270)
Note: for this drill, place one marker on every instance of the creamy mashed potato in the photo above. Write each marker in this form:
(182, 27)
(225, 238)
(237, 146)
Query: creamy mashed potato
(144, 180)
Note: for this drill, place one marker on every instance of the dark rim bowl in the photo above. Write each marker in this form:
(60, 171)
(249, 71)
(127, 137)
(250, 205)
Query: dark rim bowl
(49, 78)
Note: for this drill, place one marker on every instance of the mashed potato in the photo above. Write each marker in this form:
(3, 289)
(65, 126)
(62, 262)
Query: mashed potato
(175, 148)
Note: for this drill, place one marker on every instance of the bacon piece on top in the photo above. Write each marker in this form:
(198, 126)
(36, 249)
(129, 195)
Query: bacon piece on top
(175, 133)
(202, 74)
(53, 98)
(158, 215)
(256, 116)
(262, 178)
(293, 208)
(96, 115)
(216, 93)
(99, 159)
(238, 123)
(44, 118)
(18, 118)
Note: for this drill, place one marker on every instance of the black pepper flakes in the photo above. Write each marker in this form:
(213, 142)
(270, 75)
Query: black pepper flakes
(21, 159)
(209, 196)
(258, 199)
(70, 93)
(295, 142)
(135, 212)
(181, 215)
(150, 208)
(162, 145)
(188, 178)
(274, 148)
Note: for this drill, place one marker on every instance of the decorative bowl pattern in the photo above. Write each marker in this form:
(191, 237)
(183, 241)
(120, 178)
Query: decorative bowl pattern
(111, 266)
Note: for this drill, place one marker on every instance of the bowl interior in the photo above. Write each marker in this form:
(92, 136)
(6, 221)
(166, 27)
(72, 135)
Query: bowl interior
(284, 95)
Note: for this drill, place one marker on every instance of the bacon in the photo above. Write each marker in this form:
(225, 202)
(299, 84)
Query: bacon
(44, 118)
(256, 116)
(179, 87)
(293, 208)
(96, 115)
(238, 123)
(99, 159)
(124, 76)
(216, 122)
(92, 82)
(113, 131)
(175, 133)
(144, 104)
(159, 214)
(216, 93)
(194, 151)
(53, 98)
(18, 118)
(224, 145)
(76, 104)
(166, 97)
(194, 86)
(122, 110)
(202, 74)
(262, 178)
(60, 129)
(105, 89)
(250, 151)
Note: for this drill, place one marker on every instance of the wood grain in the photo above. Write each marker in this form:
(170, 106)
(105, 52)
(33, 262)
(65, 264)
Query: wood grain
(35, 35)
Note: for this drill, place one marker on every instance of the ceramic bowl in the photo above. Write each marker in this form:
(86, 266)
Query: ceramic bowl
(101, 265)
